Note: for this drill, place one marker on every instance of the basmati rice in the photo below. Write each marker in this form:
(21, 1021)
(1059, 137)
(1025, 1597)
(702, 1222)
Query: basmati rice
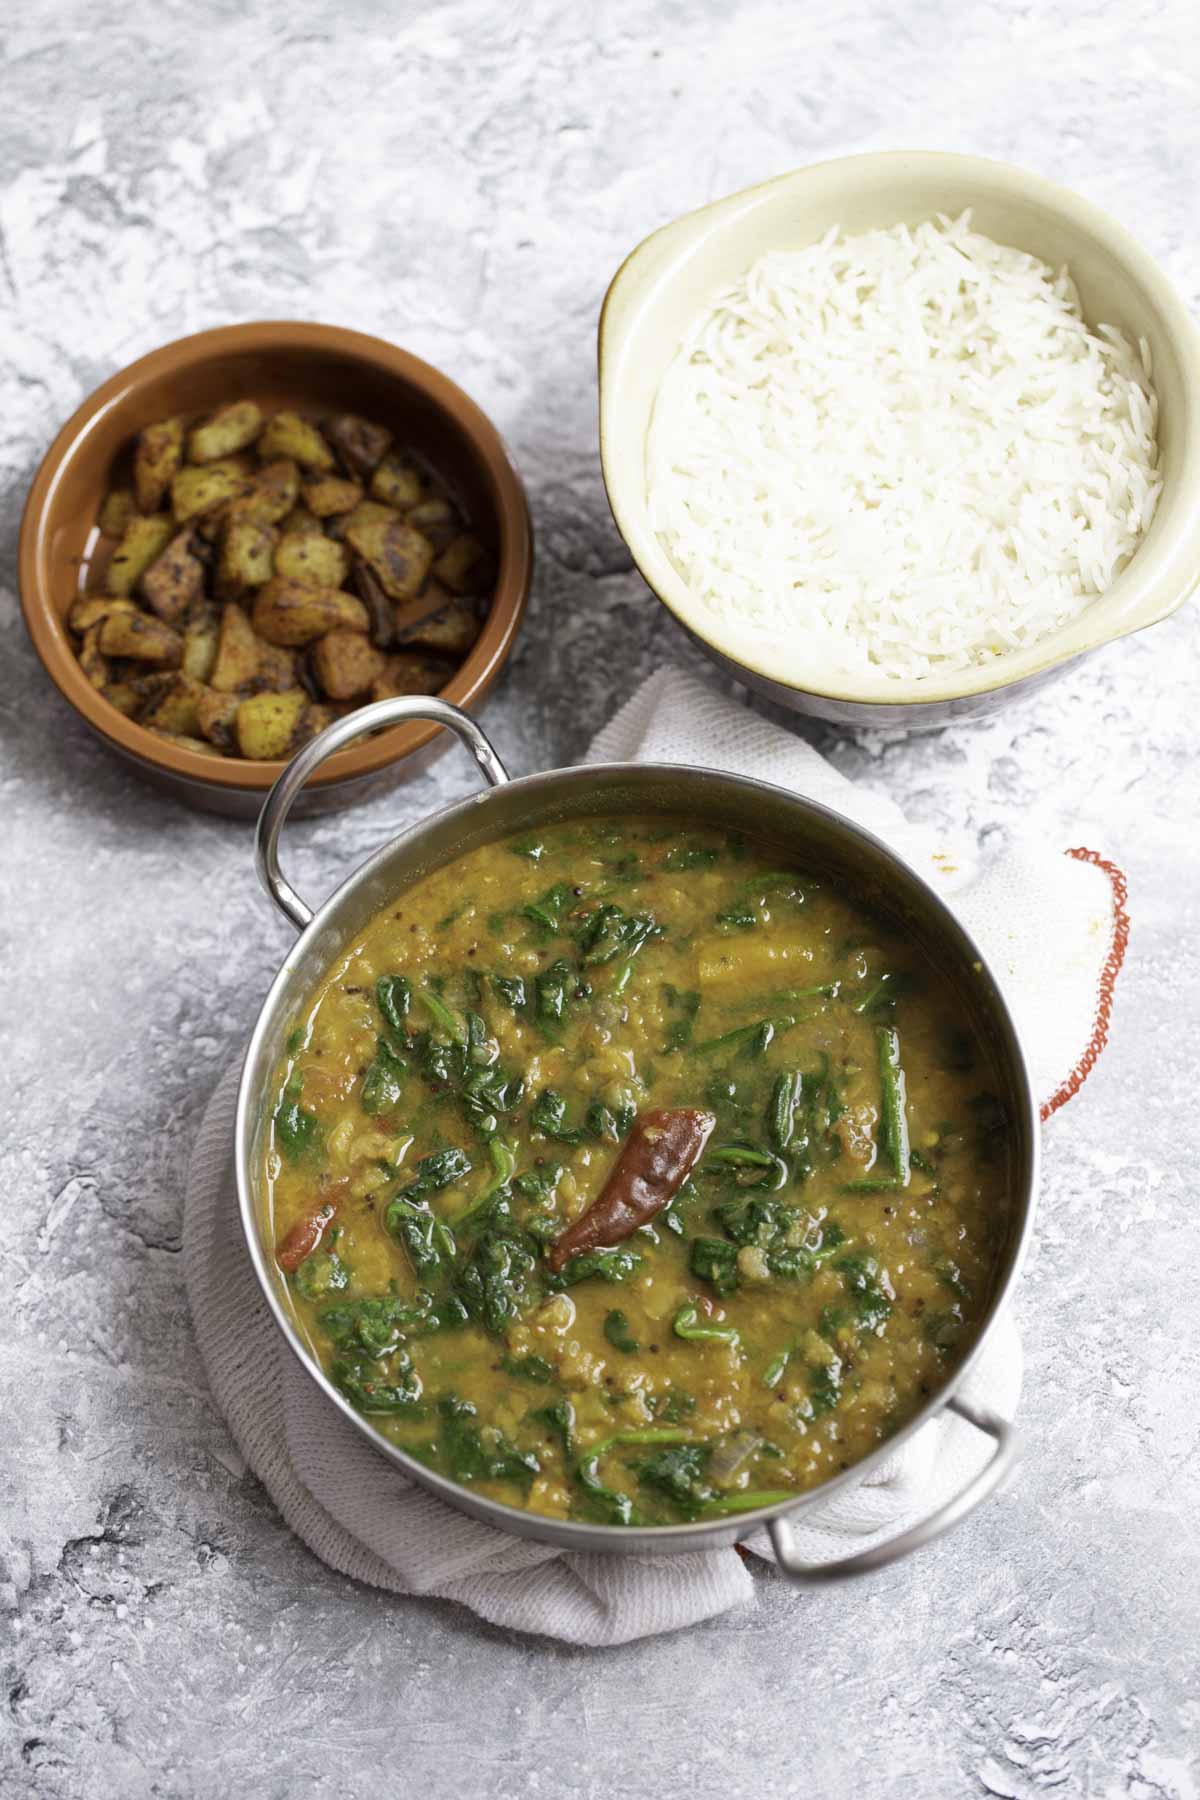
(901, 454)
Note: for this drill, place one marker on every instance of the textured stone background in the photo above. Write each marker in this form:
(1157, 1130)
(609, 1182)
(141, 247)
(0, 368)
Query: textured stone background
(464, 179)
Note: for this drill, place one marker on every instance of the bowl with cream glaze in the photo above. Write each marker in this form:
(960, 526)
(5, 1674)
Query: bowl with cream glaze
(668, 280)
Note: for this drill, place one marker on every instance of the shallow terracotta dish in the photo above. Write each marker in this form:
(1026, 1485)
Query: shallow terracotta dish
(314, 369)
(667, 280)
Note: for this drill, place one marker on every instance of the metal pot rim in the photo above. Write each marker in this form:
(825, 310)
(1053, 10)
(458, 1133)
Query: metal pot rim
(569, 1534)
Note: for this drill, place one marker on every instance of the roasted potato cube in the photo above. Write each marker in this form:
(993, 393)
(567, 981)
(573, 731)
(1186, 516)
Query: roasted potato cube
(156, 459)
(124, 697)
(300, 523)
(287, 434)
(272, 492)
(216, 718)
(369, 512)
(292, 612)
(92, 660)
(200, 644)
(119, 507)
(408, 615)
(346, 663)
(247, 557)
(143, 540)
(461, 564)
(89, 609)
(140, 636)
(149, 686)
(183, 742)
(396, 483)
(230, 429)
(266, 724)
(175, 708)
(437, 519)
(331, 494)
(201, 490)
(312, 558)
(236, 664)
(409, 672)
(360, 444)
(276, 670)
(451, 631)
(187, 743)
(379, 608)
(175, 580)
(397, 554)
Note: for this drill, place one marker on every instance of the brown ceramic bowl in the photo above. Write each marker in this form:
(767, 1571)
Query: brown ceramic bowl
(309, 368)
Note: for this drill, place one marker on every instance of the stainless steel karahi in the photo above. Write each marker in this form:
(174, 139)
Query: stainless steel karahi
(841, 850)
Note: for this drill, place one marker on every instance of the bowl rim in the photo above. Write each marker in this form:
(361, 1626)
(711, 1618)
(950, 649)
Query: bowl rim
(469, 684)
(1140, 596)
(253, 1096)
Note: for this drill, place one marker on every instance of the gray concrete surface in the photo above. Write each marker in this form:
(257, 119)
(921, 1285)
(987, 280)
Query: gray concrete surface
(464, 178)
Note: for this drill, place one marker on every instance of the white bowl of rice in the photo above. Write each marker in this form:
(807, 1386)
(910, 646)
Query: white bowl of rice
(898, 436)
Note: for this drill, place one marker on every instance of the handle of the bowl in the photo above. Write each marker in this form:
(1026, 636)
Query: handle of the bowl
(335, 737)
(989, 1478)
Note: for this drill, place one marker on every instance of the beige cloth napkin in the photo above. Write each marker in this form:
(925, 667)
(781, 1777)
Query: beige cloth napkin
(1053, 927)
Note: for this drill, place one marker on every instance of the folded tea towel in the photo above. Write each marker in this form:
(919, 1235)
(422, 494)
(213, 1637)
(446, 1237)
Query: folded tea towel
(1053, 926)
